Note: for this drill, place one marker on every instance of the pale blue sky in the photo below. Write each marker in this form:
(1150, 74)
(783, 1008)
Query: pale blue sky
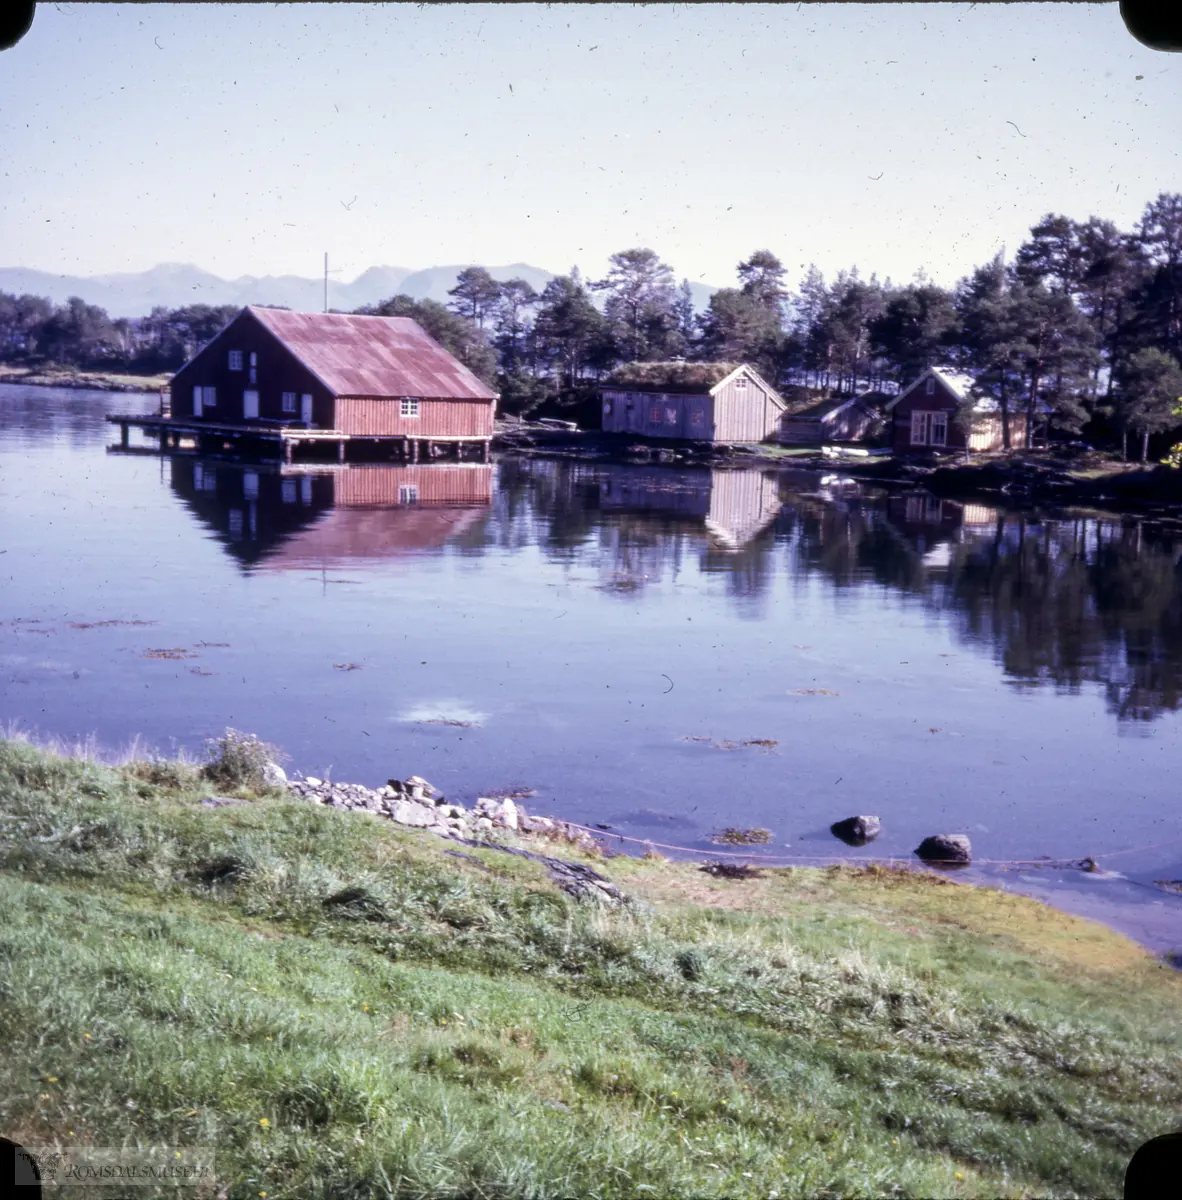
(250, 139)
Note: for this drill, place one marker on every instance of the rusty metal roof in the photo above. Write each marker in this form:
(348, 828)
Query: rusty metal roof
(372, 356)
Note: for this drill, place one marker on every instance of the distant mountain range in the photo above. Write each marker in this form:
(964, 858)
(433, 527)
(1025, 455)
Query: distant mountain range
(175, 284)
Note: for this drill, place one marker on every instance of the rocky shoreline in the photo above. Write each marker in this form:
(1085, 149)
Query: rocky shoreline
(417, 804)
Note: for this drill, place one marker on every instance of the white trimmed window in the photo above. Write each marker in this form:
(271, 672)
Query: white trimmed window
(929, 388)
(741, 382)
(408, 493)
(209, 397)
(409, 406)
(654, 414)
(289, 402)
(929, 428)
(235, 360)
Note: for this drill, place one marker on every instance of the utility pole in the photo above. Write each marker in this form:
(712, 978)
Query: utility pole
(326, 281)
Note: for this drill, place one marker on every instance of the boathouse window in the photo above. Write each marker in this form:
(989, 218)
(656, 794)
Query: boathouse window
(408, 493)
(209, 397)
(654, 414)
(671, 416)
(254, 367)
(289, 402)
(929, 388)
(696, 416)
(235, 360)
(740, 383)
(410, 407)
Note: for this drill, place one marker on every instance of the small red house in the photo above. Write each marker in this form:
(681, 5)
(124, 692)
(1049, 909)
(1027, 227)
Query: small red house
(922, 416)
(361, 377)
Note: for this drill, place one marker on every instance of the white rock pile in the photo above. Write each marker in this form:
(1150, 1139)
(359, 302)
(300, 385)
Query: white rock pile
(417, 803)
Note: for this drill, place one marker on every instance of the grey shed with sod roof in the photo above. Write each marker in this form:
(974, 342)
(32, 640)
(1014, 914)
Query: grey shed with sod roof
(701, 402)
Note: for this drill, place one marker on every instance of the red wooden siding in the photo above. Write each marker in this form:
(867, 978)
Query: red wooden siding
(371, 417)
(986, 432)
(277, 372)
(435, 483)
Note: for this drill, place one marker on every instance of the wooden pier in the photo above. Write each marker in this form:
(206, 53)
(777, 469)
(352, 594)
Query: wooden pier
(283, 438)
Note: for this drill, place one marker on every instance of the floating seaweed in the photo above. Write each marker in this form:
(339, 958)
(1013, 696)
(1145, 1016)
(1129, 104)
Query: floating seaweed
(107, 624)
(732, 836)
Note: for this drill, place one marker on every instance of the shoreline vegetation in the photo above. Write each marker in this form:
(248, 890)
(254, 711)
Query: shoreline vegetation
(69, 377)
(1055, 476)
(348, 1006)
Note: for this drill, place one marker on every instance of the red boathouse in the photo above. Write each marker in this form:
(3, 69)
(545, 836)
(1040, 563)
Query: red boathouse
(299, 377)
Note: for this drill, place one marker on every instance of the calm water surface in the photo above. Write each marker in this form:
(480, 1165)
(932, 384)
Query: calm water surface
(665, 650)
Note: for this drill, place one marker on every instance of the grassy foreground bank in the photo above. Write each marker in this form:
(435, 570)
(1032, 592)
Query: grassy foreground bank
(346, 1009)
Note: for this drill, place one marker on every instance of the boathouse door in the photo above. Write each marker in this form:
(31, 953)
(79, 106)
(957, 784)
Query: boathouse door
(250, 405)
(306, 409)
(197, 410)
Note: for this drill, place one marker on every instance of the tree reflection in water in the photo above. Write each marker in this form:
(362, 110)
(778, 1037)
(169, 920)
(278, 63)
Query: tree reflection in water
(1062, 601)
(1066, 600)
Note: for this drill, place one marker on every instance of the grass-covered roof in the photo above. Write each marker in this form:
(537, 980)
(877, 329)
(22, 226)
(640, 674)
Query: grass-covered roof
(671, 375)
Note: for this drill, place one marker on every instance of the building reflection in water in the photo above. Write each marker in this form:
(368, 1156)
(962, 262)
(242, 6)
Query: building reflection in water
(1069, 600)
(275, 517)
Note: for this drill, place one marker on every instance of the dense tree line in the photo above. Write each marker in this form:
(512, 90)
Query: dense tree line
(34, 331)
(1082, 329)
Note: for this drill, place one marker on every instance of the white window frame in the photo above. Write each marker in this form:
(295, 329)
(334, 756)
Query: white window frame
(741, 382)
(209, 397)
(235, 360)
(929, 388)
(926, 424)
(409, 406)
(290, 402)
(408, 493)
